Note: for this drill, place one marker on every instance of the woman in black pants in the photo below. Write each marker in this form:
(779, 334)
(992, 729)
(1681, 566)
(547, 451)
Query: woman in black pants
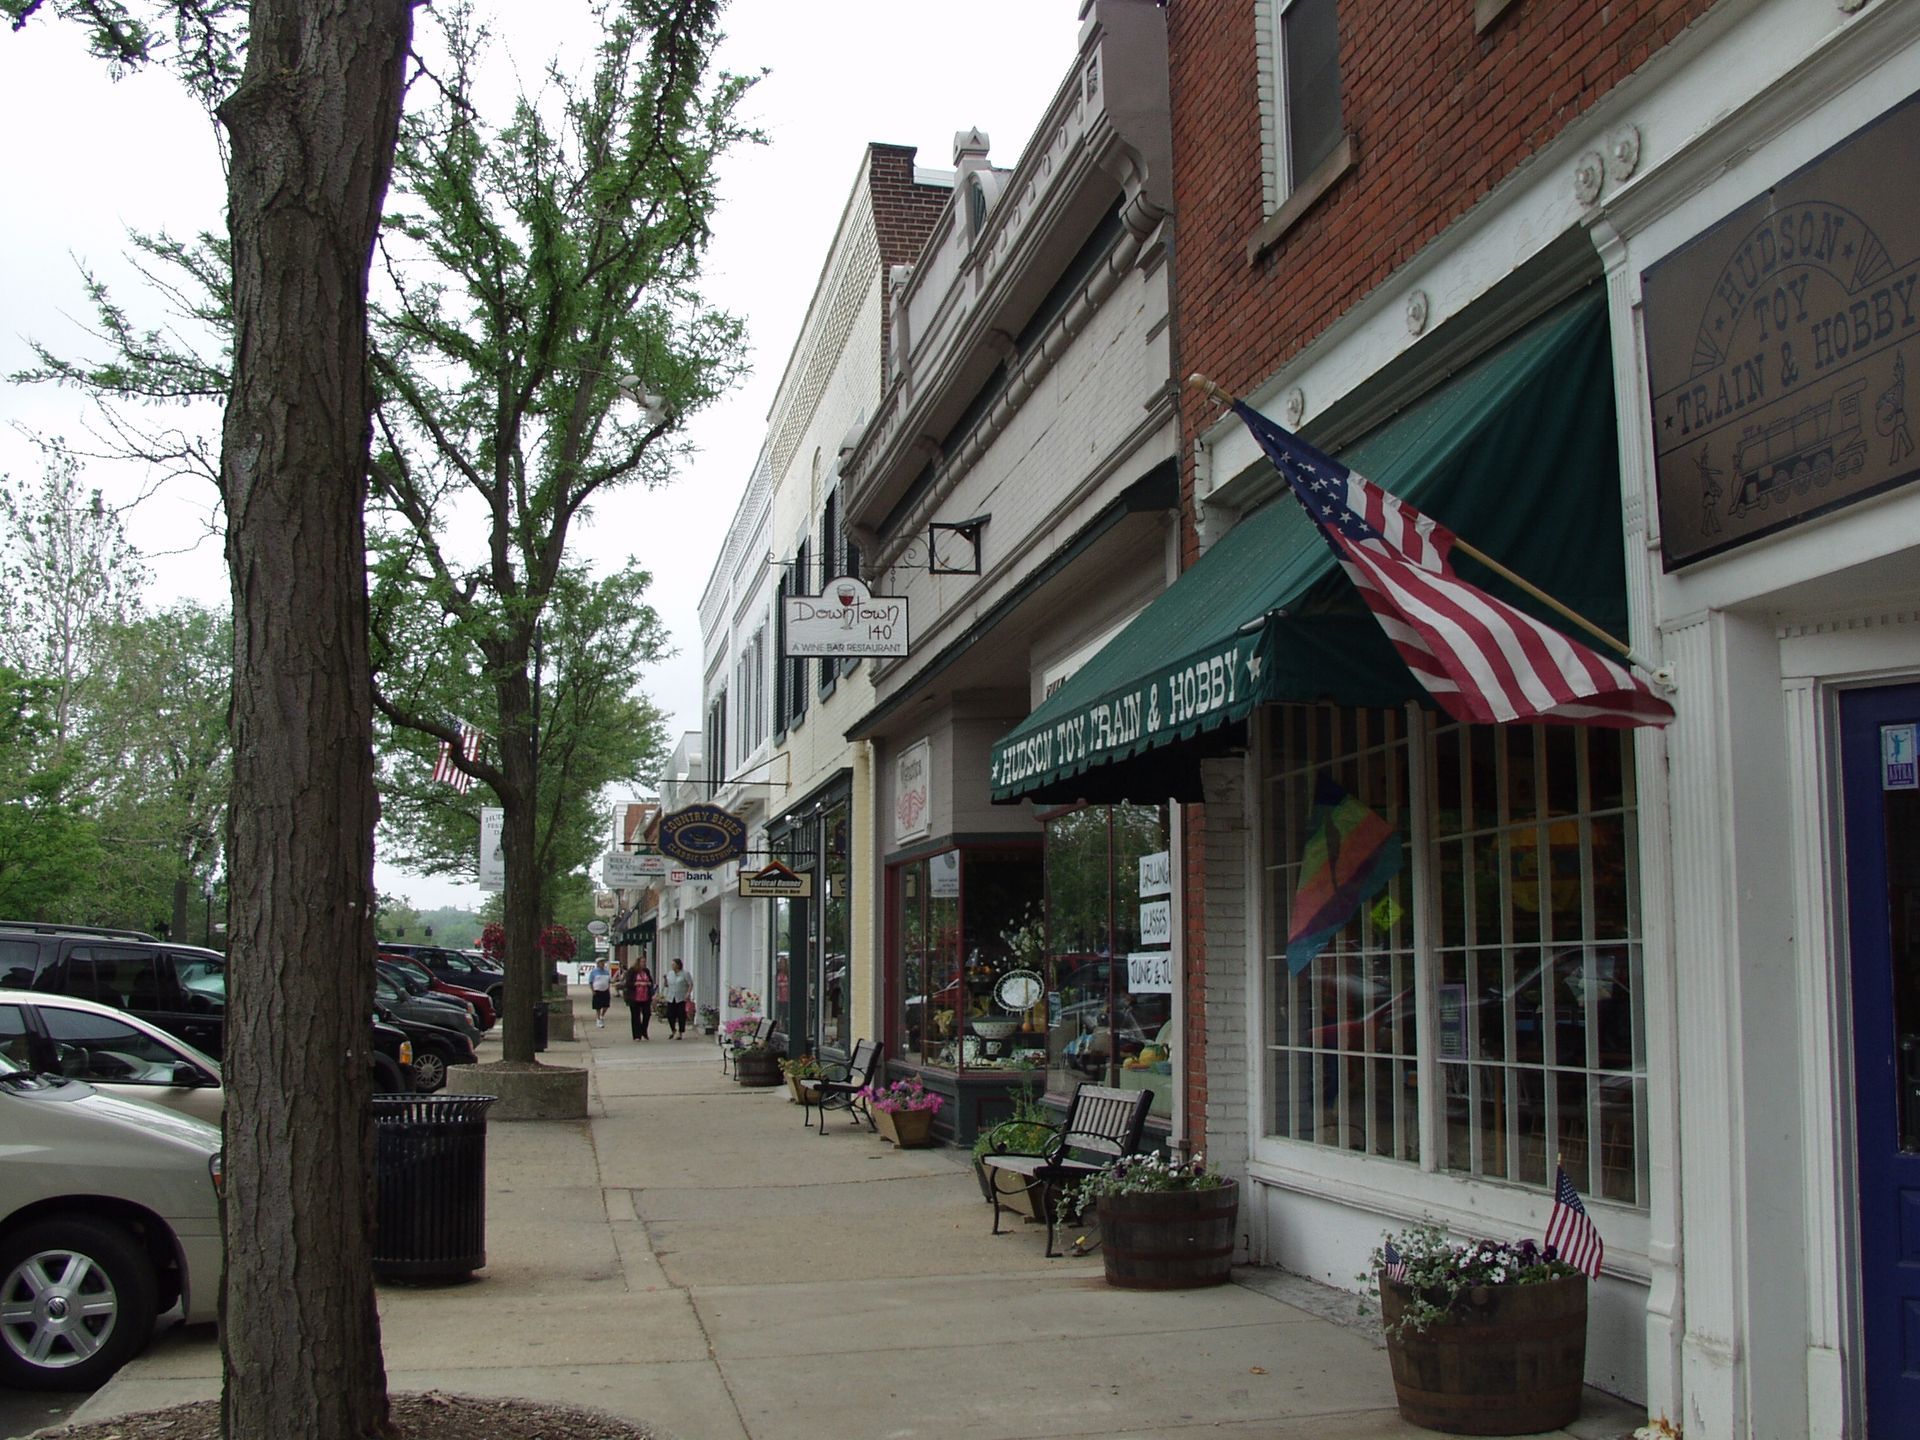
(639, 998)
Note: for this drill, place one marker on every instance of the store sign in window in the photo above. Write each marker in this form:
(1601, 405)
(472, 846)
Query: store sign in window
(1150, 972)
(1156, 874)
(1156, 922)
(913, 791)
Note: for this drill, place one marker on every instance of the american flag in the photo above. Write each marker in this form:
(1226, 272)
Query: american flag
(1484, 662)
(1570, 1230)
(446, 771)
(1395, 1268)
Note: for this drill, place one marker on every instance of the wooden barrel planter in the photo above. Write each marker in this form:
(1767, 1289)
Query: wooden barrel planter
(1510, 1360)
(1169, 1239)
(755, 1068)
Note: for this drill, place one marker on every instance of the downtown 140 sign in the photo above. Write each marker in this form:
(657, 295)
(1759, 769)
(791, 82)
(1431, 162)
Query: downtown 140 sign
(847, 621)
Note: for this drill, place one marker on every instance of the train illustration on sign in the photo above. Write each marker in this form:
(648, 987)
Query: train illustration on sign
(1818, 444)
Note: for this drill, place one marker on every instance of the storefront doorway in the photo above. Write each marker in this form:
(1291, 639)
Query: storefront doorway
(1881, 788)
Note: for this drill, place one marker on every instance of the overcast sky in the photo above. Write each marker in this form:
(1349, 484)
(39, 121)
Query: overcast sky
(87, 158)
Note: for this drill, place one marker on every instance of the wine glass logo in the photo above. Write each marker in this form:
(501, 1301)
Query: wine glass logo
(845, 594)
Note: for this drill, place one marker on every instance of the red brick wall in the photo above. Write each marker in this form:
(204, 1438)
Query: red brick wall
(1439, 116)
(904, 214)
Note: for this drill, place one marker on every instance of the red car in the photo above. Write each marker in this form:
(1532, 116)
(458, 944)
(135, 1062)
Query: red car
(483, 1012)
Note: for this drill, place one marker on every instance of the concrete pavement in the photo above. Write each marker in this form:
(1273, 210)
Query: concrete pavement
(690, 1256)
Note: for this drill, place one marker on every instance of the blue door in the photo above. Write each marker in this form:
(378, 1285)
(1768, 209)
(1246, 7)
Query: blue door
(1878, 733)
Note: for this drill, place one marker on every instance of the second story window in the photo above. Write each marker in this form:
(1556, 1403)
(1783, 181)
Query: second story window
(1300, 94)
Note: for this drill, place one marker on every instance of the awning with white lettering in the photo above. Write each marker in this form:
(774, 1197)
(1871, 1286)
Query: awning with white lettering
(1517, 453)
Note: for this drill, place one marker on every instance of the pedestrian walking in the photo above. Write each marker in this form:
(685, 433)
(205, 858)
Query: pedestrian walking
(601, 980)
(639, 998)
(677, 986)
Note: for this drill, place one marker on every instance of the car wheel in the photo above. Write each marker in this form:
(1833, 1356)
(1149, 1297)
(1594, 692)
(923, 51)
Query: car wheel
(77, 1301)
(429, 1071)
(388, 1078)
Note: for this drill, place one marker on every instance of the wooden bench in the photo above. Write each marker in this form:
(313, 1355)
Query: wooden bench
(1102, 1125)
(762, 1033)
(842, 1091)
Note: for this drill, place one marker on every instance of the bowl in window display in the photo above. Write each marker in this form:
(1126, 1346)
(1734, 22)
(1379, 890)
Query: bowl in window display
(994, 1028)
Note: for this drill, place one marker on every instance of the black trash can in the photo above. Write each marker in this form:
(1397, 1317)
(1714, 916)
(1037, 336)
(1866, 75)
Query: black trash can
(430, 1179)
(539, 1026)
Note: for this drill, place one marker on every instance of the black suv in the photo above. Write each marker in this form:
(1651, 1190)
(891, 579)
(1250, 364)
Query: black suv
(180, 988)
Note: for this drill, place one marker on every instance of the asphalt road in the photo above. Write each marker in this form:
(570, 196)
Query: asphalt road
(24, 1411)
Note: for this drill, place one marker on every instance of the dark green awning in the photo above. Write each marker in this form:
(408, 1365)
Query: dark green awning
(1516, 454)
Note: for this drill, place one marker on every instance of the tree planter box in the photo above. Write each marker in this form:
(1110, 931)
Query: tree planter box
(1169, 1239)
(757, 1070)
(1510, 1360)
(909, 1129)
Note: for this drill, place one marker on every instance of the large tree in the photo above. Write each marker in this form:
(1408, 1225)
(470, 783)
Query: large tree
(544, 334)
(310, 128)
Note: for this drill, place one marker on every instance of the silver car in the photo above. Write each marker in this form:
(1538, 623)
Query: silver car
(115, 1052)
(109, 1217)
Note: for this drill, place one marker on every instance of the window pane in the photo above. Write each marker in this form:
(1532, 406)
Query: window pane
(95, 1047)
(1311, 36)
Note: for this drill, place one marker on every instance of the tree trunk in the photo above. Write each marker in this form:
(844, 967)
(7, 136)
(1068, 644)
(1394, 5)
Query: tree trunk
(313, 127)
(519, 764)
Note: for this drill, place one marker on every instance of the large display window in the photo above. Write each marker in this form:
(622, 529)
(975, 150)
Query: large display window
(1107, 1022)
(1519, 844)
(808, 971)
(967, 992)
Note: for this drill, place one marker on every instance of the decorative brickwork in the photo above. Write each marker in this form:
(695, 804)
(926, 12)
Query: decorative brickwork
(905, 211)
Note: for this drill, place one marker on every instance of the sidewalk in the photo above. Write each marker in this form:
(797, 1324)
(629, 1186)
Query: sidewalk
(691, 1257)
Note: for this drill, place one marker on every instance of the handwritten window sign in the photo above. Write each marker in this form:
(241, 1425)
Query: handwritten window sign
(1150, 972)
(1777, 349)
(1156, 922)
(943, 875)
(848, 620)
(1156, 875)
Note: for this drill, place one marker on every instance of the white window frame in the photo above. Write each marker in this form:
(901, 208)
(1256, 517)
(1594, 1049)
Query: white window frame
(1285, 197)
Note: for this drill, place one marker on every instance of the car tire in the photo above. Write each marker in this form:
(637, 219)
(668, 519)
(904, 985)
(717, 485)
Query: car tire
(388, 1078)
(92, 1267)
(429, 1070)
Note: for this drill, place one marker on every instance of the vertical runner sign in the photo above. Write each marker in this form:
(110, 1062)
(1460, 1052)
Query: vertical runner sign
(493, 863)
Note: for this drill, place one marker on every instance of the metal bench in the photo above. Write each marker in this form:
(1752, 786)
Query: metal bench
(842, 1091)
(1102, 1125)
(762, 1033)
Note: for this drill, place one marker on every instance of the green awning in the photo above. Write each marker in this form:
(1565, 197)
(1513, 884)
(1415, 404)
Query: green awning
(1516, 454)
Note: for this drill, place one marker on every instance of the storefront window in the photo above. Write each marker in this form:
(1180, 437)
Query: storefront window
(832, 983)
(962, 918)
(1524, 850)
(1100, 1025)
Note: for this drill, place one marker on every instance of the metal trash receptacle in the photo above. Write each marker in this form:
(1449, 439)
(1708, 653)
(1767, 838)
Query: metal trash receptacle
(430, 1183)
(539, 1026)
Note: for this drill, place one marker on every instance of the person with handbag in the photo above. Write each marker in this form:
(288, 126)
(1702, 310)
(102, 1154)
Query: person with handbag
(639, 998)
(600, 979)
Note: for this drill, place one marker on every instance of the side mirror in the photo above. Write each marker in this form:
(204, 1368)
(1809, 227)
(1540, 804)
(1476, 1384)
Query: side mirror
(190, 1076)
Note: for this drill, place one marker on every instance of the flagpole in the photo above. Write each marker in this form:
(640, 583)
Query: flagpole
(1626, 652)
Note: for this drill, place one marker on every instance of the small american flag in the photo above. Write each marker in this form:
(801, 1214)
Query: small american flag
(1570, 1230)
(448, 773)
(1395, 1268)
(1484, 662)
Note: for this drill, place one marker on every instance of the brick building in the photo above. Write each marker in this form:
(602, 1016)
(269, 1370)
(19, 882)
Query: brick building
(1623, 293)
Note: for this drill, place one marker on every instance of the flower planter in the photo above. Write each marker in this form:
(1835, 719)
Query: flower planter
(1169, 1239)
(757, 1069)
(804, 1092)
(908, 1129)
(1509, 1360)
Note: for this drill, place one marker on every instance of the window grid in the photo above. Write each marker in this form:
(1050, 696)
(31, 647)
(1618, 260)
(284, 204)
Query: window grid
(1526, 841)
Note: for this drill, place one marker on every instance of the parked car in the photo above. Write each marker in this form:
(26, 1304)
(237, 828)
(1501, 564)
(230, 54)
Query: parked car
(109, 1217)
(457, 967)
(141, 977)
(443, 1010)
(435, 1047)
(115, 1053)
(392, 1059)
(484, 1010)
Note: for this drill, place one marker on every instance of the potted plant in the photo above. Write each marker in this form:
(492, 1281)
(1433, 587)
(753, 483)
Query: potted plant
(709, 1019)
(1165, 1223)
(1485, 1337)
(903, 1111)
(1024, 1132)
(804, 1075)
(756, 1066)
